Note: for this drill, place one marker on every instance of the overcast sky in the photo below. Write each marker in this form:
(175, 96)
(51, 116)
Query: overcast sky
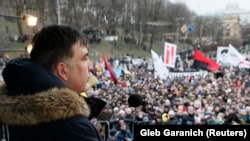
(202, 7)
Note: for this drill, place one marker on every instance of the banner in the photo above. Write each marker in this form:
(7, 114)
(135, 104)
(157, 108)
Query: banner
(170, 54)
(110, 38)
(173, 75)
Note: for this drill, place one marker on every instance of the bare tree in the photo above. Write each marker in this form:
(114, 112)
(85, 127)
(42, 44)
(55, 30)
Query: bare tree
(18, 7)
(73, 12)
(116, 16)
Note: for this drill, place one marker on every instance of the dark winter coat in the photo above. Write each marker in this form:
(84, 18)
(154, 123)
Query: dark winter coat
(37, 106)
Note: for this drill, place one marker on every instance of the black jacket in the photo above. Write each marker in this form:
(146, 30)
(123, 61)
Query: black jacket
(37, 106)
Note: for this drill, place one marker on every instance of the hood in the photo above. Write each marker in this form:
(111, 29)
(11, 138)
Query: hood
(23, 76)
(41, 107)
(31, 95)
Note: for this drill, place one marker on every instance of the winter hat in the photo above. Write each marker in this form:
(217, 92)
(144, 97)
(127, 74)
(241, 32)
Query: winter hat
(116, 109)
(112, 132)
(171, 112)
(145, 119)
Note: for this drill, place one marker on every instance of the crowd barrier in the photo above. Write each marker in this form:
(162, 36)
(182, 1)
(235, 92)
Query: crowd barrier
(110, 125)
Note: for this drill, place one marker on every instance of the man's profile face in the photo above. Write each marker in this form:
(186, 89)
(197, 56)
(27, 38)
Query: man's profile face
(79, 69)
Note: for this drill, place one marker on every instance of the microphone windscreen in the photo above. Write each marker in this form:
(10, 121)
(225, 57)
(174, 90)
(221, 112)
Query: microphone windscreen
(218, 75)
(135, 100)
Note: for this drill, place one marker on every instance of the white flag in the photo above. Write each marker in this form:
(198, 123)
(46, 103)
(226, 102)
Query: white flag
(221, 56)
(234, 56)
(159, 66)
(244, 64)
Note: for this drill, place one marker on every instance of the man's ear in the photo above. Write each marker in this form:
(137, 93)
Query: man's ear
(61, 71)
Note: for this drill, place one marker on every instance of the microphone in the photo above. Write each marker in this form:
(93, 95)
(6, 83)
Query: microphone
(135, 100)
(96, 105)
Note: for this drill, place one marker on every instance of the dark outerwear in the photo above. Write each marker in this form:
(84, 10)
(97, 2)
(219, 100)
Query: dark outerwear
(37, 106)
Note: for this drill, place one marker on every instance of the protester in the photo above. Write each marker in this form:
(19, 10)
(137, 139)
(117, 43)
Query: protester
(112, 135)
(40, 99)
(124, 134)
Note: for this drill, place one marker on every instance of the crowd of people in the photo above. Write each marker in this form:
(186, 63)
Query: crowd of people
(219, 98)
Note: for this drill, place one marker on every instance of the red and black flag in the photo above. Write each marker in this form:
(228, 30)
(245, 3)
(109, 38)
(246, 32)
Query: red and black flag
(203, 63)
(109, 68)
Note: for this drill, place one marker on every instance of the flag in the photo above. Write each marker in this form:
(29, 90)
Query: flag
(161, 70)
(99, 67)
(235, 56)
(221, 56)
(170, 54)
(92, 80)
(244, 64)
(204, 63)
(109, 68)
(83, 94)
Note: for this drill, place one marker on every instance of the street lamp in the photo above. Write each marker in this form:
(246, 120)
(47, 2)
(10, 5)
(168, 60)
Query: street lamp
(29, 19)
